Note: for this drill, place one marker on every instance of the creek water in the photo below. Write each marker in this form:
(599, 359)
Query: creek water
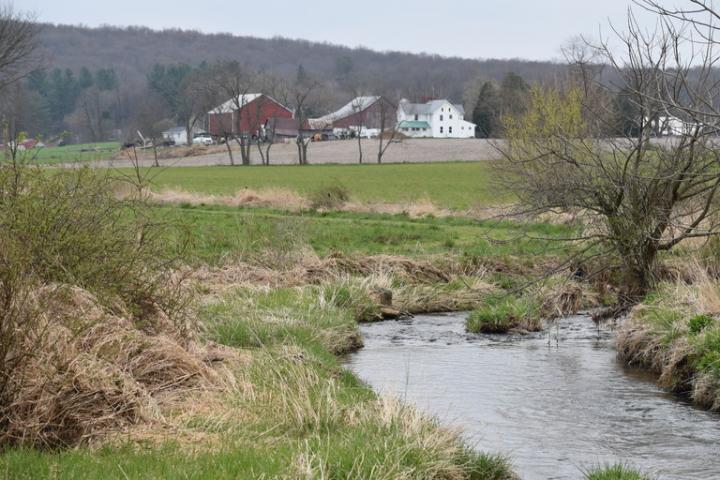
(557, 403)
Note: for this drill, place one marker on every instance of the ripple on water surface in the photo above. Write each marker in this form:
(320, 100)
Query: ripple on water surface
(557, 403)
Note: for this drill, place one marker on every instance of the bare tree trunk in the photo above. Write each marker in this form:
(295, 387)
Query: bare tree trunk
(157, 164)
(244, 149)
(302, 146)
(188, 132)
(360, 144)
(380, 147)
(229, 149)
(261, 152)
(299, 141)
(267, 153)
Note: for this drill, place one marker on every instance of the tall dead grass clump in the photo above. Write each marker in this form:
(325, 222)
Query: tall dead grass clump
(93, 321)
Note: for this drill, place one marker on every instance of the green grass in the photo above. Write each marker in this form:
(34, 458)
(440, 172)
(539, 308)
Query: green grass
(74, 153)
(450, 185)
(679, 335)
(501, 313)
(615, 472)
(219, 232)
(305, 416)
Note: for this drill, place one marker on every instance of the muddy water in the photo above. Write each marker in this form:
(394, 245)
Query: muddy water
(557, 404)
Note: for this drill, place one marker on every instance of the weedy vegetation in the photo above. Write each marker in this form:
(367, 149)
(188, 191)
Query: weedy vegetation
(615, 472)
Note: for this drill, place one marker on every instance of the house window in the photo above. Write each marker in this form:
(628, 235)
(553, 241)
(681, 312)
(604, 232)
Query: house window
(442, 130)
(449, 129)
(451, 117)
(416, 117)
(441, 118)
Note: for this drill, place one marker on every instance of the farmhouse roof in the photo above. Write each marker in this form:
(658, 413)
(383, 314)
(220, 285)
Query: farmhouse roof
(427, 108)
(174, 130)
(413, 124)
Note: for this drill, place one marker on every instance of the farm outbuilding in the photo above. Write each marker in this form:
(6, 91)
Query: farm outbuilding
(364, 113)
(246, 115)
(176, 135)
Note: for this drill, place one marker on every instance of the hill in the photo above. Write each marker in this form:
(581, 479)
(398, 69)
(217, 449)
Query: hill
(133, 51)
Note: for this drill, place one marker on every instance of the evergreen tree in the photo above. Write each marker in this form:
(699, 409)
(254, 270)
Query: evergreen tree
(514, 94)
(106, 79)
(85, 80)
(301, 76)
(486, 114)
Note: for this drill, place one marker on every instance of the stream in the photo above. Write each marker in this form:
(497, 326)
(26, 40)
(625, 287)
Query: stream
(557, 403)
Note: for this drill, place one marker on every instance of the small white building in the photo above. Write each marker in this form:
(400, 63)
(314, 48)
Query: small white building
(669, 126)
(434, 119)
(178, 135)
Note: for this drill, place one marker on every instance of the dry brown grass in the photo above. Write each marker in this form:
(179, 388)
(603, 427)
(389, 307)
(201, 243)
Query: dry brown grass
(93, 371)
(310, 269)
(289, 200)
(268, 198)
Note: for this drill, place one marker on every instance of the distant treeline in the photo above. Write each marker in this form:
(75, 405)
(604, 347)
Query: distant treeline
(95, 80)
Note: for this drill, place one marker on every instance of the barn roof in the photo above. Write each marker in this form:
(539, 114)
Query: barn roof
(232, 104)
(358, 104)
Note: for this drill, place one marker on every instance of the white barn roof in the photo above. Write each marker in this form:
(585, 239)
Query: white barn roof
(231, 105)
(358, 104)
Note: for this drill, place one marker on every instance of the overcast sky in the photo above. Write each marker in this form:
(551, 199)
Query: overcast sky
(532, 29)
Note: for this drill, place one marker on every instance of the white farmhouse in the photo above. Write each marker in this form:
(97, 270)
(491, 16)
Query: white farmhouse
(434, 119)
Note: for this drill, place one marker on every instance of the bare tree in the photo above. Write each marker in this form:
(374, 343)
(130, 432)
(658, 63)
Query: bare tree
(280, 92)
(640, 195)
(18, 45)
(358, 106)
(195, 102)
(148, 124)
(388, 127)
(301, 96)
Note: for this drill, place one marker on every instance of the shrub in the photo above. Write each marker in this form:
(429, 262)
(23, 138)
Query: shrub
(83, 278)
(329, 197)
(708, 352)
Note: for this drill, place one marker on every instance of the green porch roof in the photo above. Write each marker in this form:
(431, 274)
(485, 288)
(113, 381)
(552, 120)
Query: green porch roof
(413, 124)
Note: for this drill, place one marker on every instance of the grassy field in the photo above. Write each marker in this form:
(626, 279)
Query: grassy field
(280, 296)
(85, 152)
(218, 232)
(449, 185)
(295, 412)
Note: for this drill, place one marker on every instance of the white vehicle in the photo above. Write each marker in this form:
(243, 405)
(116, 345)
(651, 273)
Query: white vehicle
(203, 139)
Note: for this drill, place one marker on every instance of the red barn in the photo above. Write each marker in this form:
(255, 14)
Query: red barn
(246, 115)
